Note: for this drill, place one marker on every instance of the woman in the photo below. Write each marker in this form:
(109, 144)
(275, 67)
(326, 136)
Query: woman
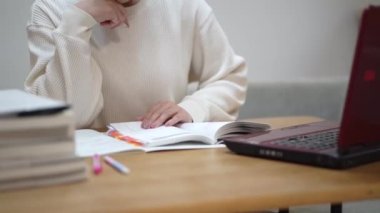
(115, 63)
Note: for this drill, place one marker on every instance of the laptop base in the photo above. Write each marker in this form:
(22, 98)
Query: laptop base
(333, 160)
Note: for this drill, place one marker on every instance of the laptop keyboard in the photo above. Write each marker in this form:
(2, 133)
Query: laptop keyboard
(314, 141)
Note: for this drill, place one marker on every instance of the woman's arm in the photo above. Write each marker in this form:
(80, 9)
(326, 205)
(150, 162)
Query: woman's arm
(221, 74)
(61, 59)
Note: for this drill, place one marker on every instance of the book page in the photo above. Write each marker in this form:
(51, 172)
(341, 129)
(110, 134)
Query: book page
(183, 146)
(218, 130)
(134, 129)
(90, 142)
(239, 128)
(163, 135)
(207, 129)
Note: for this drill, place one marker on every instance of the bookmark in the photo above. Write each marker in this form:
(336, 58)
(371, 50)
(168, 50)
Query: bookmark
(96, 164)
(116, 165)
(115, 134)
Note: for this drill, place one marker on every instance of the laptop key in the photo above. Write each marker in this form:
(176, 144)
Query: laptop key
(314, 141)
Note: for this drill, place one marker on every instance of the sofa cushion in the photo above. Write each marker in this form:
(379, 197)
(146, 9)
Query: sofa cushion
(322, 98)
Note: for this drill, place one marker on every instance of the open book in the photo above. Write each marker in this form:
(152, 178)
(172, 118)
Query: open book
(206, 132)
(129, 136)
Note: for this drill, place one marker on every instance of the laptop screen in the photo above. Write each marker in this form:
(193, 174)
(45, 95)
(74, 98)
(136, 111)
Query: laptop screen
(361, 116)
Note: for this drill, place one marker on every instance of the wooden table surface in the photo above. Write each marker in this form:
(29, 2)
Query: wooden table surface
(212, 180)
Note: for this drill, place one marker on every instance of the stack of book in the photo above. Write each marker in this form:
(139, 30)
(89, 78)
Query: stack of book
(37, 145)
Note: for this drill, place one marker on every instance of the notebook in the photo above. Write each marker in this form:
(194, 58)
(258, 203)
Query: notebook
(352, 142)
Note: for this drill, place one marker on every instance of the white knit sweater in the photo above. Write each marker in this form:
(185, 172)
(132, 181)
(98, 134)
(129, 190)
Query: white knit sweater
(117, 75)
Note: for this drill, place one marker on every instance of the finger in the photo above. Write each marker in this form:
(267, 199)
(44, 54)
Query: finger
(123, 14)
(162, 111)
(175, 119)
(141, 118)
(126, 22)
(129, 3)
(181, 116)
(153, 109)
(109, 24)
(147, 117)
(119, 15)
(149, 121)
(165, 116)
(112, 20)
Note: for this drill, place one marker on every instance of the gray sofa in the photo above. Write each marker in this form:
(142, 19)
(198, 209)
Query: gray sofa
(321, 98)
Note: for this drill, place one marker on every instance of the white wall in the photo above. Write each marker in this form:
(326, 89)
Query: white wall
(282, 40)
(14, 57)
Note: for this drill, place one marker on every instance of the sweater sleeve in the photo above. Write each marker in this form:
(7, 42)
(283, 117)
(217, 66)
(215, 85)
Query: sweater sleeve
(221, 74)
(61, 63)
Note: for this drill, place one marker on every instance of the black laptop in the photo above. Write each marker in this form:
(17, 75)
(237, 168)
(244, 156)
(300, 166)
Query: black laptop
(356, 140)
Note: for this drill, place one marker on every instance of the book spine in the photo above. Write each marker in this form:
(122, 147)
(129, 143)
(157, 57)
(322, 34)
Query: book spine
(15, 138)
(33, 171)
(61, 148)
(70, 177)
(31, 123)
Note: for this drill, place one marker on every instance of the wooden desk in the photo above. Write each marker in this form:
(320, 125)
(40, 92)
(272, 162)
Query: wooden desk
(213, 180)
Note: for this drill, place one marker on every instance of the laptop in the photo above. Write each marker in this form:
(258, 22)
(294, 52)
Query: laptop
(352, 142)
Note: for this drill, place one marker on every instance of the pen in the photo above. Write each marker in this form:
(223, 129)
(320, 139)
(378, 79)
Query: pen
(116, 165)
(96, 164)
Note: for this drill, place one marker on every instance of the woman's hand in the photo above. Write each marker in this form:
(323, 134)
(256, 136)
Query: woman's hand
(109, 13)
(165, 113)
